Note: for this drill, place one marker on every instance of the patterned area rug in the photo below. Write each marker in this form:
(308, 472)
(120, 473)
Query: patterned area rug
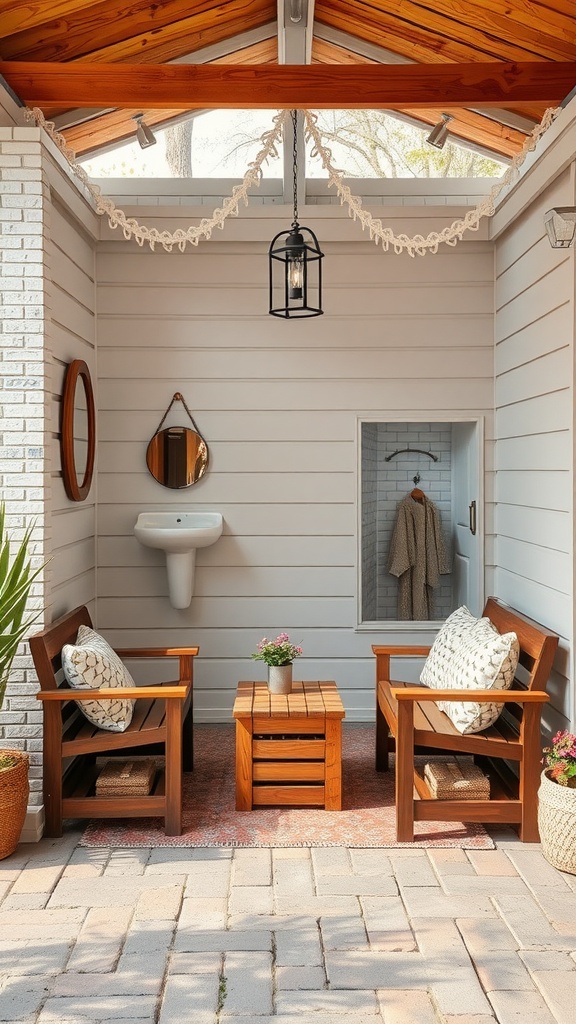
(210, 818)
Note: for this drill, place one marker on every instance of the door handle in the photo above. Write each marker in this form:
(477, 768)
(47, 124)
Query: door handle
(472, 518)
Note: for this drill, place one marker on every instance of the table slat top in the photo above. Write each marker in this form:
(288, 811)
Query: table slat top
(307, 699)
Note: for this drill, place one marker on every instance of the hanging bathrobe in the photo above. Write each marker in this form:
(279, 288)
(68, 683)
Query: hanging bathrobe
(417, 556)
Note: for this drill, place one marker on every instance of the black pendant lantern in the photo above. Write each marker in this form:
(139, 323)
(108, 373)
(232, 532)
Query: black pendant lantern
(295, 264)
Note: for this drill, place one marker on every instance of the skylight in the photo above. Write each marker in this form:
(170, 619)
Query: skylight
(364, 143)
(217, 144)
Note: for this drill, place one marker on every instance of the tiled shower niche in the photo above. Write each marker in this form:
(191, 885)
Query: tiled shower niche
(384, 484)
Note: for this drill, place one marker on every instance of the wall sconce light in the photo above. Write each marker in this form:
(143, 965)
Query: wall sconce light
(295, 263)
(439, 133)
(560, 224)
(144, 134)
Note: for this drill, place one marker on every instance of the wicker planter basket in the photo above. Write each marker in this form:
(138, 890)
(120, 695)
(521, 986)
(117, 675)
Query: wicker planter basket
(14, 790)
(557, 824)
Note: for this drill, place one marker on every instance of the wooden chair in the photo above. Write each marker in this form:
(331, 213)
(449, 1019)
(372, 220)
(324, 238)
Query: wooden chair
(409, 713)
(161, 723)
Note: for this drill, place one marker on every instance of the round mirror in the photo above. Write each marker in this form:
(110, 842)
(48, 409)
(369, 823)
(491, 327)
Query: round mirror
(177, 457)
(77, 431)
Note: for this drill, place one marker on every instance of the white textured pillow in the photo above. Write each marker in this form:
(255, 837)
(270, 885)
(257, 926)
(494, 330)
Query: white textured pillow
(91, 664)
(448, 640)
(470, 654)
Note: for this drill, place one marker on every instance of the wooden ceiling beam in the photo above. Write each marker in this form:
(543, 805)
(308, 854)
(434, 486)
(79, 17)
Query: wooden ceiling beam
(331, 46)
(116, 126)
(467, 125)
(265, 86)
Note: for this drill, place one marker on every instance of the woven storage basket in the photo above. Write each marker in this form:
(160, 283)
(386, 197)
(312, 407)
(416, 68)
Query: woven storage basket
(14, 790)
(557, 824)
(448, 780)
(126, 778)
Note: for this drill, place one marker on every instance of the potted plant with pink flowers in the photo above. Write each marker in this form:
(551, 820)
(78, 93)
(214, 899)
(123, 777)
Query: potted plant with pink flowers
(557, 802)
(278, 654)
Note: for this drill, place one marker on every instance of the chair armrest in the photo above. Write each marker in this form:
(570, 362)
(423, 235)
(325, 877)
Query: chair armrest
(134, 692)
(472, 696)
(156, 652)
(397, 650)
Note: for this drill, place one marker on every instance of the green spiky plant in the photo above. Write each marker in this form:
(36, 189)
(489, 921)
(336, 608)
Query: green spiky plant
(16, 579)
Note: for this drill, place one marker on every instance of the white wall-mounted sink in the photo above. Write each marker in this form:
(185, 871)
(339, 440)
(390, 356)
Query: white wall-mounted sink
(179, 534)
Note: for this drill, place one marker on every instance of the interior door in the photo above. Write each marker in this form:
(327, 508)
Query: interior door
(468, 570)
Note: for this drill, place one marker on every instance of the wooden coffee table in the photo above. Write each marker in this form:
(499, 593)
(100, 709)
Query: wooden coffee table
(288, 747)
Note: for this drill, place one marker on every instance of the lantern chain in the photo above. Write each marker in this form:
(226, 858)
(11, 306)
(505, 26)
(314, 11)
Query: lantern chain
(295, 163)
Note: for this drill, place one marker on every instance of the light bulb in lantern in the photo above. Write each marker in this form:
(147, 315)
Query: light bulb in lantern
(295, 276)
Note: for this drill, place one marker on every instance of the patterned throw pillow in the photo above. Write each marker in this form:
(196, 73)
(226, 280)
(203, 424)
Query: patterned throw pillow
(92, 664)
(470, 654)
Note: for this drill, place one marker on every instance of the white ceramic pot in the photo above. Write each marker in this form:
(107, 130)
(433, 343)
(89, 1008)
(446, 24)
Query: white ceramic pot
(280, 678)
(557, 824)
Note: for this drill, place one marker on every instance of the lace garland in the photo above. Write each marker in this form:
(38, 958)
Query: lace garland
(131, 228)
(417, 245)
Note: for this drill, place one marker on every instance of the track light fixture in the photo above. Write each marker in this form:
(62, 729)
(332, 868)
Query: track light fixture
(295, 262)
(560, 224)
(439, 133)
(296, 11)
(144, 134)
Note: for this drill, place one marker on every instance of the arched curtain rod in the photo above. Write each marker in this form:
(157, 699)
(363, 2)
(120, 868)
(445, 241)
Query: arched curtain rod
(420, 451)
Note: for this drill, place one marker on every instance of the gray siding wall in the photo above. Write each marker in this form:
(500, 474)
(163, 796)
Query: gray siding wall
(70, 254)
(534, 368)
(278, 403)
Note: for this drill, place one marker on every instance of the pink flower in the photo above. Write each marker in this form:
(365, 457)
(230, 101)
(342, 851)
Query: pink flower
(560, 758)
(280, 651)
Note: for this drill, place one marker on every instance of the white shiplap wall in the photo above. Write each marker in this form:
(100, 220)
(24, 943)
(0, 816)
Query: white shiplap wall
(534, 368)
(72, 336)
(278, 403)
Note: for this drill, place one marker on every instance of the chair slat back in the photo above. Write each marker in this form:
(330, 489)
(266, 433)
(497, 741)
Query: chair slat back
(46, 646)
(537, 644)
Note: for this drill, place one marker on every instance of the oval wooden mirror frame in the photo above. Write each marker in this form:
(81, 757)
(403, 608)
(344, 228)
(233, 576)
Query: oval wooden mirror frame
(77, 371)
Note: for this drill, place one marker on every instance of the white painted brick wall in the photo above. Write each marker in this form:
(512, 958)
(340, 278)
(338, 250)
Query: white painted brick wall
(24, 477)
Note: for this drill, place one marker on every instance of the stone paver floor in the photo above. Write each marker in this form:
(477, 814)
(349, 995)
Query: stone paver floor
(329, 935)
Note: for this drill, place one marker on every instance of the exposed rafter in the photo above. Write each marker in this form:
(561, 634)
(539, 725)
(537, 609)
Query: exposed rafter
(249, 47)
(430, 33)
(318, 86)
(90, 130)
(333, 40)
(483, 132)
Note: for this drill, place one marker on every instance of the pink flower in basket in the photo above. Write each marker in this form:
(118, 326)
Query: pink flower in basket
(560, 759)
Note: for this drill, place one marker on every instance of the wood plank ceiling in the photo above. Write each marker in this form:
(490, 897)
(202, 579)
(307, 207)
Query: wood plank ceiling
(49, 53)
